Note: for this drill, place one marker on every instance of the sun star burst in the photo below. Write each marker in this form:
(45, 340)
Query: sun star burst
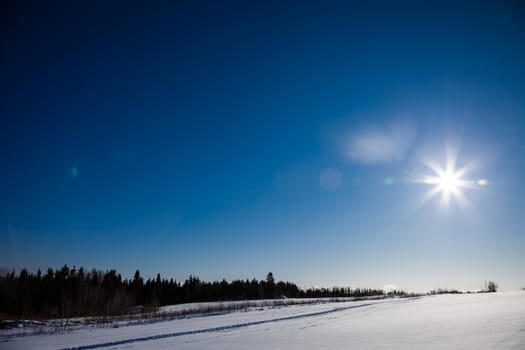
(448, 181)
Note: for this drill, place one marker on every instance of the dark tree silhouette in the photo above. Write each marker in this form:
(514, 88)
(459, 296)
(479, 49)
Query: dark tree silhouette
(69, 292)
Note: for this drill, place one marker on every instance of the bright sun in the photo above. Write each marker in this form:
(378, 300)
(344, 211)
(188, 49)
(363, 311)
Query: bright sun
(447, 181)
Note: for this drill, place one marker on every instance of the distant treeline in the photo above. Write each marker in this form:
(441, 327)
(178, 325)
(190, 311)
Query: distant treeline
(71, 292)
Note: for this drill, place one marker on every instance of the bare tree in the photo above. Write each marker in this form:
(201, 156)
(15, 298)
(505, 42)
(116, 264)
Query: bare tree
(492, 287)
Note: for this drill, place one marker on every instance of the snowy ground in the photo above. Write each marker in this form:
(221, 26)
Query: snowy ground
(468, 321)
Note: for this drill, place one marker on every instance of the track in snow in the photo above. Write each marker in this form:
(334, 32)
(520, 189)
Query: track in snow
(215, 329)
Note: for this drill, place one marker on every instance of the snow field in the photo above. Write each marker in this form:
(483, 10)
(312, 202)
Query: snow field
(481, 321)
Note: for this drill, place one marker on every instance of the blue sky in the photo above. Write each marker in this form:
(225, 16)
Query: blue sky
(229, 139)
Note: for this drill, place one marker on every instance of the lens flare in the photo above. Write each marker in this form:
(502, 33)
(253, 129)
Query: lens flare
(482, 182)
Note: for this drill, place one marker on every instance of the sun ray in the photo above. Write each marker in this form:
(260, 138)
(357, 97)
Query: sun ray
(428, 195)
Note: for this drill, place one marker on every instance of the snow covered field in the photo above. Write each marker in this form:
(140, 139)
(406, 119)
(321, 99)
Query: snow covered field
(467, 321)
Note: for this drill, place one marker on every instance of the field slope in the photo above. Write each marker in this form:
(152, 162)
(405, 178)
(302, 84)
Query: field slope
(468, 321)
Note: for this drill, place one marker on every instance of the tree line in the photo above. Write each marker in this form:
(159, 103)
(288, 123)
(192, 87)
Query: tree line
(71, 292)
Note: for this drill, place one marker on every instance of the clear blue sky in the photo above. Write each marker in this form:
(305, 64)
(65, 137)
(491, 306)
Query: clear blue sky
(229, 139)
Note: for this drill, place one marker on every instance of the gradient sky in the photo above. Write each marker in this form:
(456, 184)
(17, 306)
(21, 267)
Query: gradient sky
(229, 139)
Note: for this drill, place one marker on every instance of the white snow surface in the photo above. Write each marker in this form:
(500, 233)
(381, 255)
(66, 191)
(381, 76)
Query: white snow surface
(466, 321)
